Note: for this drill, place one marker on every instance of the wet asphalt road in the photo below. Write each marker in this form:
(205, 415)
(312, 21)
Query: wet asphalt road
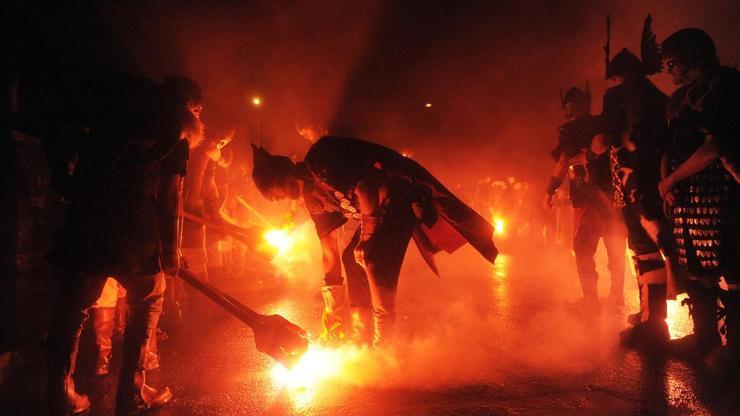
(482, 340)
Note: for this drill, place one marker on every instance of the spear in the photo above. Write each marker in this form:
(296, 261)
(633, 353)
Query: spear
(606, 46)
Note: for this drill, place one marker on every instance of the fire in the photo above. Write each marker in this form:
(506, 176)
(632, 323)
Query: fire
(678, 320)
(281, 240)
(500, 226)
(294, 249)
(317, 365)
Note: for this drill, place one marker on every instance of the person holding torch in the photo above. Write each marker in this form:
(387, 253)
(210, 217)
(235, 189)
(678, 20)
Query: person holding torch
(394, 199)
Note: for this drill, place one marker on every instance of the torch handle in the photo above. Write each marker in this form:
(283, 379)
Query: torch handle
(235, 231)
(234, 307)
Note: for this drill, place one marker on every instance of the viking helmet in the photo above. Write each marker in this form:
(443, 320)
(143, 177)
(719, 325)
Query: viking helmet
(692, 47)
(268, 170)
(575, 94)
(625, 64)
(183, 90)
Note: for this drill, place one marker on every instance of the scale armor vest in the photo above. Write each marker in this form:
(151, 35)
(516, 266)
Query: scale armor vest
(705, 204)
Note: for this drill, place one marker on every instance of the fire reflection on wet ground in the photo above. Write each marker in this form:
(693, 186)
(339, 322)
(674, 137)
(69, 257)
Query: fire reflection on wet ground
(478, 340)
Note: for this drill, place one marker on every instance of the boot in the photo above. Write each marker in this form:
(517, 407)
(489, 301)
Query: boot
(62, 358)
(642, 315)
(134, 395)
(384, 328)
(361, 332)
(103, 323)
(120, 318)
(652, 334)
(172, 315)
(706, 337)
(589, 303)
(151, 362)
(333, 317)
(76, 402)
(726, 360)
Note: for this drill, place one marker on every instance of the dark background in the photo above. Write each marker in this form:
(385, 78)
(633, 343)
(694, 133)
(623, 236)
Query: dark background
(490, 69)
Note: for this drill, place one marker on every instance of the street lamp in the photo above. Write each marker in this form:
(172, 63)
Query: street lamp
(257, 103)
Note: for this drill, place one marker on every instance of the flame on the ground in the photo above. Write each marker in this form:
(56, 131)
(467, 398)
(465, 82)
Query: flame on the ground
(317, 365)
(679, 322)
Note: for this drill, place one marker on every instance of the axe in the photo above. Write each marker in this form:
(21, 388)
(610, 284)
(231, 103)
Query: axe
(274, 335)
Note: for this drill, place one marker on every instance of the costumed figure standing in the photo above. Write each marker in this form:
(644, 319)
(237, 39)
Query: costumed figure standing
(635, 137)
(121, 223)
(591, 195)
(702, 187)
(394, 199)
(201, 195)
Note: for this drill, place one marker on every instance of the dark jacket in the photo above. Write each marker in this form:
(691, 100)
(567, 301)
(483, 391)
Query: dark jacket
(338, 164)
(592, 182)
(119, 221)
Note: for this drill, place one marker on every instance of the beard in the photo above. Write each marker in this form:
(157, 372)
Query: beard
(192, 129)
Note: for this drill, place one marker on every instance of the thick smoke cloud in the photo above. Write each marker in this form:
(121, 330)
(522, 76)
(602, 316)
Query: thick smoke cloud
(491, 71)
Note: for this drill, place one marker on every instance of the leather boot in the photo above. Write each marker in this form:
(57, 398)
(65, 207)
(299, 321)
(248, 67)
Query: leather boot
(103, 322)
(134, 395)
(384, 328)
(703, 311)
(151, 362)
(76, 402)
(652, 334)
(589, 303)
(642, 315)
(64, 398)
(726, 360)
(361, 332)
(333, 317)
(651, 270)
(121, 312)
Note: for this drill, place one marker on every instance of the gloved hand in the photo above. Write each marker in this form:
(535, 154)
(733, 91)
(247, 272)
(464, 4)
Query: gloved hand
(170, 263)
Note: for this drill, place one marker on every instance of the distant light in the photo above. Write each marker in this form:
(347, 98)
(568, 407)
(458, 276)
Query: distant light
(428, 105)
(257, 101)
(499, 226)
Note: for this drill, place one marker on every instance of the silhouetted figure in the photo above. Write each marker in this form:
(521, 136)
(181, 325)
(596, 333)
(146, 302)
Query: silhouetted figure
(121, 222)
(704, 124)
(590, 192)
(635, 136)
(394, 199)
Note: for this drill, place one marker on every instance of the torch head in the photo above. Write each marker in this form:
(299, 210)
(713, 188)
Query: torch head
(280, 339)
